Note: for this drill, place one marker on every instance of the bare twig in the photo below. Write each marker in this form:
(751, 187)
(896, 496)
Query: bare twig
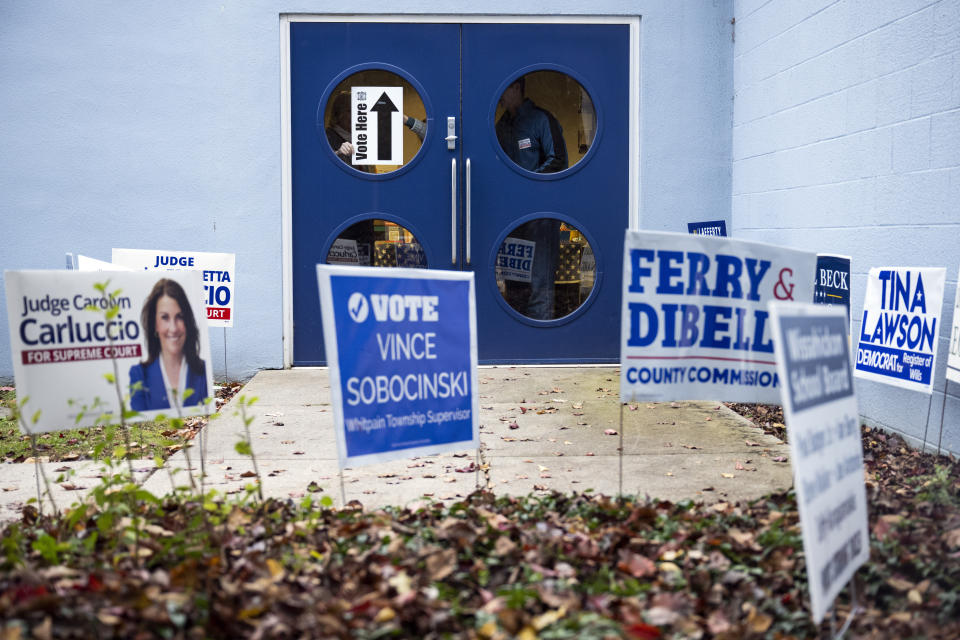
(253, 456)
(39, 471)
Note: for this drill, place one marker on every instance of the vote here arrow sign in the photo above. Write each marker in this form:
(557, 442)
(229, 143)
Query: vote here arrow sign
(377, 127)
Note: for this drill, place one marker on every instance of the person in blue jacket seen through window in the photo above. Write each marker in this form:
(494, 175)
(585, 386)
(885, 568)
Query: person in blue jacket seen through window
(173, 362)
(531, 137)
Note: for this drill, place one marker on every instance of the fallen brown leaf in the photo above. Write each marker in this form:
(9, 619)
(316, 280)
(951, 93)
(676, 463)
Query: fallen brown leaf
(636, 565)
(759, 622)
(900, 584)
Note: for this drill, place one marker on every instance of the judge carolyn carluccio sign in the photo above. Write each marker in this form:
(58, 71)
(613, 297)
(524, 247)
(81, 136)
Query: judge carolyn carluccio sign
(694, 322)
(65, 335)
(402, 349)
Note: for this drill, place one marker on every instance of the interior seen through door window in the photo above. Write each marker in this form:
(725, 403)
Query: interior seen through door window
(545, 269)
(354, 105)
(377, 243)
(545, 121)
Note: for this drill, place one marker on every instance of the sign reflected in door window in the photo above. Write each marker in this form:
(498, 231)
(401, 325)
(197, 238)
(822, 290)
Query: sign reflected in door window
(377, 243)
(545, 269)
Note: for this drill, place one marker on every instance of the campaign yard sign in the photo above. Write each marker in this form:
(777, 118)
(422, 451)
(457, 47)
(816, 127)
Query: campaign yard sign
(65, 334)
(694, 321)
(953, 357)
(218, 269)
(402, 350)
(900, 325)
(813, 360)
(86, 263)
(709, 228)
(411, 254)
(343, 251)
(831, 283)
(377, 125)
(515, 260)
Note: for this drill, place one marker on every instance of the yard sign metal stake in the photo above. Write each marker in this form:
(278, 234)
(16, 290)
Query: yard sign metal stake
(226, 373)
(854, 608)
(926, 424)
(36, 470)
(943, 410)
(620, 455)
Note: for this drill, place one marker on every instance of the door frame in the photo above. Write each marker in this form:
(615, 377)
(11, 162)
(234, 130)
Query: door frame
(286, 142)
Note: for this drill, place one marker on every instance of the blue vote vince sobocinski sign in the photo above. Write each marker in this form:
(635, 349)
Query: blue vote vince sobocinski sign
(402, 350)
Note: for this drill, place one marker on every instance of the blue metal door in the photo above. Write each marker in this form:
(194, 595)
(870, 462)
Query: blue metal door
(463, 206)
(329, 195)
(591, 195)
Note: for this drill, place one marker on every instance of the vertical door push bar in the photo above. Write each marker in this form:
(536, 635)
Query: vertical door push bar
(452, 144)
(453, 210)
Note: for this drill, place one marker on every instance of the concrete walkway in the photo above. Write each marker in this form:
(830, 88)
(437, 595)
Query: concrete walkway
(696, 450)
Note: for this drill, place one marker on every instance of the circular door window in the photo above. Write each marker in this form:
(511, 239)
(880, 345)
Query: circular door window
(545, 269)
(377, 243)
(374, 121)
(545, 122)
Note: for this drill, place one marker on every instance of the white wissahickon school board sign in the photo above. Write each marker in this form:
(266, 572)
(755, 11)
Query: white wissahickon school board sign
(824, 431)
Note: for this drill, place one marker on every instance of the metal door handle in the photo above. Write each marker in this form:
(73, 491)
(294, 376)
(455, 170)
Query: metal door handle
(451, 133)
(467, 196)
(453, 209)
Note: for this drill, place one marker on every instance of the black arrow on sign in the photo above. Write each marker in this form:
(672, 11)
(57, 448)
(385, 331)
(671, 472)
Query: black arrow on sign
(384, 109)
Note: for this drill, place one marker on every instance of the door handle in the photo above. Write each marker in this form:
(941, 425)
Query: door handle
(453, 209)
(467, 197)
(451, 133)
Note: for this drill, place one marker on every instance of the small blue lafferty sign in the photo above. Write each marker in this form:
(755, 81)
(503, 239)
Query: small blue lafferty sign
(709, 228)
(402, 349)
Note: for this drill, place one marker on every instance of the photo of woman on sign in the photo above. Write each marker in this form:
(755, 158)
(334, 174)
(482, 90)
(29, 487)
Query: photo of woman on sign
(173, 362)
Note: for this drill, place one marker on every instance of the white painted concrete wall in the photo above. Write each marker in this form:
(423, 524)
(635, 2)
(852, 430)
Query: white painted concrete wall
(157, 125)
(846, 139)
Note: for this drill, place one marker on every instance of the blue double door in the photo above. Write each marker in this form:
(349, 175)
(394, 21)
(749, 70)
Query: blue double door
(462, 195)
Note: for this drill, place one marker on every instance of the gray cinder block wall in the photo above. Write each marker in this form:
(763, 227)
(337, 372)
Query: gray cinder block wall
(846, 139)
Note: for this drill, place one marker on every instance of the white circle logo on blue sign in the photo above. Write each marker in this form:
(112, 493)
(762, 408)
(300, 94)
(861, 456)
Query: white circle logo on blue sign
(358, 307)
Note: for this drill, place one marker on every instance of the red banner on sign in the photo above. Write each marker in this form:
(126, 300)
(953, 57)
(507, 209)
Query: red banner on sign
(218, 313)
(79, 354)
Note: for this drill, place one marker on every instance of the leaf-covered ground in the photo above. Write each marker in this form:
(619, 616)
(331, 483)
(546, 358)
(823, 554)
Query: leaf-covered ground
(148, 439)
(768, 417)
(554, 566)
